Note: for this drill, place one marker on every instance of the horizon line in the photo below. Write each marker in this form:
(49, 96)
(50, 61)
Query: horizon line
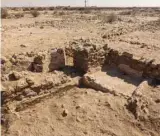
(85, 7)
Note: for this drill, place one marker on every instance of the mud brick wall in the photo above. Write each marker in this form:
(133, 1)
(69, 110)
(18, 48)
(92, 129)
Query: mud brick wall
(147, 67)
(88, 56)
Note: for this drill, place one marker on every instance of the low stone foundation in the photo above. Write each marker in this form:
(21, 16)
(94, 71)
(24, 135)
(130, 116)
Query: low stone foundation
(146, 68)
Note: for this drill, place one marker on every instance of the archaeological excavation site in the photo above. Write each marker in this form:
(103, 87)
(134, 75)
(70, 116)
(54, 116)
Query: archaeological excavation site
(80, 72)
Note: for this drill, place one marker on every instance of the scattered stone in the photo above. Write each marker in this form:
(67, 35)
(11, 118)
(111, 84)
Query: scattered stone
(48, 83)
(36, 87)
(91, 81)
(38, 59)
(30, 54)
(21, 84)
(29, 93)
(4, 77)
(41, 27)
(62, 106)
(13, 61)
(15, 75)
(19, 97)
(85, 132)
(104, 36)
(3, 89)
(138, 103)
(65, 113)
(78, 107)
(78, 119)
(3, 60)
(11, 89)
(23, 46)
(37, 67)
(37, 64)
(129, 71)
(30, 81)
(157, 100)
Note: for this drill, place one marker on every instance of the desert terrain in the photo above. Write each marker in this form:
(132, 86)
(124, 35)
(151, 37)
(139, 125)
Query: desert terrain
(80, 72)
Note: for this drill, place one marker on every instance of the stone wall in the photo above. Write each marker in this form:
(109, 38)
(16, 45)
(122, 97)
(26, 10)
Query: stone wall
(148, 68)
(31, 85)
(88, 56)
(57, 59)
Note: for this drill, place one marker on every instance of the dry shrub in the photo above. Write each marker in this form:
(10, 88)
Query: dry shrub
(4, 13)
(26, 9)
(85, 11)
(125, 13)
(45, 12)
(158, 21)
(19, 15)
(61, 13)
(40, 8)
(111, 18)
(51, 8)
(41, 27)
(35, 13)
(54, 12)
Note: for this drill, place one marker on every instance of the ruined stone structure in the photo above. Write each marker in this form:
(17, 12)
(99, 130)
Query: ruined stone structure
(57, 59)
(146, 68)
(88, 56)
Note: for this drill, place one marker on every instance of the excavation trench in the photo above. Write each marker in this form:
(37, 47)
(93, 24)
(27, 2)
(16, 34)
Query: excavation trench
(81, 66)
(95, 66)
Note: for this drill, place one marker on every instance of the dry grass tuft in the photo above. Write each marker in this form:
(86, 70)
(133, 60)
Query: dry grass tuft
(35, 13)
(125, 13)
(111, 18)
(19, 15)
(4, 13)
(59, 13)
(86, 11)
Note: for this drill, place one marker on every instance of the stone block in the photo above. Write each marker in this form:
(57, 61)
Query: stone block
(57, 59)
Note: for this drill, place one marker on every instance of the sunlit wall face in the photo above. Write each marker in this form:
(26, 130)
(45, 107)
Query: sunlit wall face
(80, 2)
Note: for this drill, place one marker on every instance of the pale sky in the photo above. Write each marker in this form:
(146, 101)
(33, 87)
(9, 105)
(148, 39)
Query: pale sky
(80, 3)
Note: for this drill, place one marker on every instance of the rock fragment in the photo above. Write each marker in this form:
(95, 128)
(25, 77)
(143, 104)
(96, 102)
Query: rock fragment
(3, 60)
(21, 84)
(14, 75)
(129, 71)
(30, 81)
(37, 64)
(23, 46)
(65, 113)
(29, 93)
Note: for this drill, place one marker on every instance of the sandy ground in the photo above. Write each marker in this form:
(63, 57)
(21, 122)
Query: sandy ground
(82, 111)
(88, 113)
